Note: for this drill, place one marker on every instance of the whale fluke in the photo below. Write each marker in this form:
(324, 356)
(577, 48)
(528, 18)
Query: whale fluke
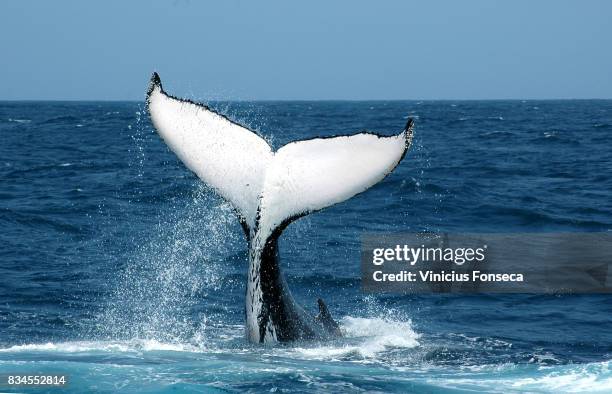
(269, 189)
(225, 155)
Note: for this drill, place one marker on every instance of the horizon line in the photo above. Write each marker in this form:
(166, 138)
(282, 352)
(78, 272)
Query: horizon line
(311, 100)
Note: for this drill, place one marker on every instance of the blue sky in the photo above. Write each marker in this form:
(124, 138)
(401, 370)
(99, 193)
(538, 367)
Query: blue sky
(339, 49)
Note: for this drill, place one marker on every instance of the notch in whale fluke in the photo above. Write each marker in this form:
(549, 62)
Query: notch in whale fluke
(268, 187)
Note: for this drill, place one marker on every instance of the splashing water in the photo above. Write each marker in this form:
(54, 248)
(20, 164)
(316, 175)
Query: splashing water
(365, 339)
(171, 273)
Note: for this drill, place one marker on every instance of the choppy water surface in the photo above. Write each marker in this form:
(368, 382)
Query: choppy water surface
(118, 268)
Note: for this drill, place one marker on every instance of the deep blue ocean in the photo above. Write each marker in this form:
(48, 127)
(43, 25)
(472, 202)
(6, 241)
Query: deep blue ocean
(121, 270)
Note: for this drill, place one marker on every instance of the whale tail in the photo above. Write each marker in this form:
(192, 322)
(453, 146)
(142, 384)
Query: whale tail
(267, 188)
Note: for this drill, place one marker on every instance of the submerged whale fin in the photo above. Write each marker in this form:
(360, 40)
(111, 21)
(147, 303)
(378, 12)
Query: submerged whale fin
(270, 189)
(325, 319)
(225, 155)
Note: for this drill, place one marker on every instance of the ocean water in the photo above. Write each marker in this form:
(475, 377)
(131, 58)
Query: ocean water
(121, 270)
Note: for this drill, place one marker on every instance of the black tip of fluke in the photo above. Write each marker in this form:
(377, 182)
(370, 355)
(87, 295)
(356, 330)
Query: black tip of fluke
(409, 125)
(409, 129)
(154, 82)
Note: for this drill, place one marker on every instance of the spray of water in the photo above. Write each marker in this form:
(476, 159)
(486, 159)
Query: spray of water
(168, 276)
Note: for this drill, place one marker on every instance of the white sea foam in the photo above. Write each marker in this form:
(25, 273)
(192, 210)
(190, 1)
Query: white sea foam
(592, 378)
(517, 378)
(364, 338)
(374, 335)
(136, 345)
(369, 338)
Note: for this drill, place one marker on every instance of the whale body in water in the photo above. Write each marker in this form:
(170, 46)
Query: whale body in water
(270, 189)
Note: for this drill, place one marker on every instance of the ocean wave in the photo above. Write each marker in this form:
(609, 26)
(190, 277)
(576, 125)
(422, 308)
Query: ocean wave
(592, 378)
(373, 343)
(539, 217)
(136, 345)
(374, 336)
(60, 119)
(497, 133)
(39, 219)
(364, 338)
(554, 136)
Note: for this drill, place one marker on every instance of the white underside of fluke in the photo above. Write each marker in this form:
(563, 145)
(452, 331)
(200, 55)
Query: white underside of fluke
(267, 187)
